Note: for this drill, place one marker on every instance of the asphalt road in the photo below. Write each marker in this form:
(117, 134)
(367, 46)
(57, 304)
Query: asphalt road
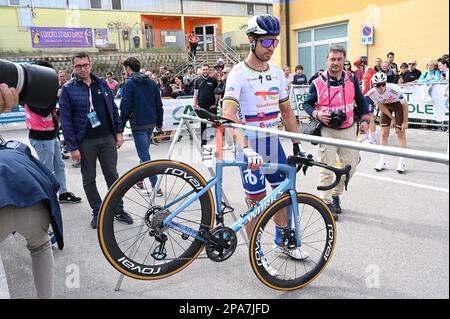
(392, 238)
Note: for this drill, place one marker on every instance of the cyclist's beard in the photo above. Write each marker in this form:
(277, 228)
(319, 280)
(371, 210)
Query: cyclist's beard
(257, 56)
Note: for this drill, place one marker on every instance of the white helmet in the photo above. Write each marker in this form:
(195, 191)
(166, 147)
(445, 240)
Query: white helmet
(263, 24)
(379, 77)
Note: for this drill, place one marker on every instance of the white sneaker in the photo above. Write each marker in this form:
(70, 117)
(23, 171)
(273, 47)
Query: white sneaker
(400, 168)
(296, 253)
(380, 166)
(272, 271)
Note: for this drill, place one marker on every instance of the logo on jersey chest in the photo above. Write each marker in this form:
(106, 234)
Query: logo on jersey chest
(271, 94)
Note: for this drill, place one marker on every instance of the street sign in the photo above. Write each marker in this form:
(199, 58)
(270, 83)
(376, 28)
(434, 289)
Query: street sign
(367, 34)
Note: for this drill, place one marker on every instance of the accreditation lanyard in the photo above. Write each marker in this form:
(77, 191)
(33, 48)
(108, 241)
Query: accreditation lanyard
(91, 105)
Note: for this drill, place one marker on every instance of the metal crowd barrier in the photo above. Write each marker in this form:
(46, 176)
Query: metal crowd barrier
(379, 149)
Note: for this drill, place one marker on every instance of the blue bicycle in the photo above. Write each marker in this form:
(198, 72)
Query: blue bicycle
(170, 231)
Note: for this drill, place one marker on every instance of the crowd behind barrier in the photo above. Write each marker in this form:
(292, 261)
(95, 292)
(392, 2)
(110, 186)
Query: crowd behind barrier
(431, 104)
(435, 109)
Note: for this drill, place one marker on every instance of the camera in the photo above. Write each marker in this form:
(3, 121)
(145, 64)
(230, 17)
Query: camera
(36, 85)
(337, 118)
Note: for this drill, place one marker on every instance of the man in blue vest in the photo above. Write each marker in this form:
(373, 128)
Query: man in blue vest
(92, 130)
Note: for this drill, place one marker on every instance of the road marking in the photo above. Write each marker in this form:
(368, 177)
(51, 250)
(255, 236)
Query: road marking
(444, 190)
(4, 291)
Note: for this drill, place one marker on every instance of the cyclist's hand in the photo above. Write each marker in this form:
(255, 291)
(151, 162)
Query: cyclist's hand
(404, 126)
(254, 160)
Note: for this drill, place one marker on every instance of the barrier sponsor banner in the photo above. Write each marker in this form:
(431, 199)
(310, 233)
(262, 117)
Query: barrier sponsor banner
(61, 37)
(428, 102)
(298, 95)
(17, 115)
(173, 110)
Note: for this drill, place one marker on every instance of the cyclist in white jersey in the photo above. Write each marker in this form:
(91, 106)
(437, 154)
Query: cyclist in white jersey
(390, 100)
(256, 95)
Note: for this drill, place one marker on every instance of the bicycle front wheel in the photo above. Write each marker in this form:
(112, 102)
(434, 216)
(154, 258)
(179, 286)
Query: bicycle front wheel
(275, 256)
(147, 248)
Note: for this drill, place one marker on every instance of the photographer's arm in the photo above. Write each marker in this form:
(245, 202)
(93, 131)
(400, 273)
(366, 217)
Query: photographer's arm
(8, 98)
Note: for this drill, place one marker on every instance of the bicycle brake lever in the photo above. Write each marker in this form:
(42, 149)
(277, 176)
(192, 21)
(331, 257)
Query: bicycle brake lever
(305, 168)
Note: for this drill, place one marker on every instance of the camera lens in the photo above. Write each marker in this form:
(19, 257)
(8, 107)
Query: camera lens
(36, 85)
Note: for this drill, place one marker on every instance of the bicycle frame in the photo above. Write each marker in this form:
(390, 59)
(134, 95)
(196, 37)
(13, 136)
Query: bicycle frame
(288, 185)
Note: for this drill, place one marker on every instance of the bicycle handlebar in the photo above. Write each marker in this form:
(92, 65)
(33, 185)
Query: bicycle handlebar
(301, 161)
(215, 120)
(306, 162)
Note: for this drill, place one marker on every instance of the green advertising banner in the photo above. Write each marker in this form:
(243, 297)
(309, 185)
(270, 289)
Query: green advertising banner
(428, 102)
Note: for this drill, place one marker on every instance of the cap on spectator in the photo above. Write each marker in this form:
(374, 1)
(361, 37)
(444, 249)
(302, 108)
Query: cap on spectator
(220, 64)
(360, 60)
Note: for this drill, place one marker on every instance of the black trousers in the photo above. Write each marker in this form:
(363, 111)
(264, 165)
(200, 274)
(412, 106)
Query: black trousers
(203, 126)
(104, 150)
(193, 47)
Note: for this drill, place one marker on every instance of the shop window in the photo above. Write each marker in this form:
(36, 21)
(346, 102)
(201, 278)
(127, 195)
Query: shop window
(117, 4)
(250, 9)
(313, 45)
(96, 4)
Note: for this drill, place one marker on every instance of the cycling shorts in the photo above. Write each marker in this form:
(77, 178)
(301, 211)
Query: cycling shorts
(397, 109)
(254, 182)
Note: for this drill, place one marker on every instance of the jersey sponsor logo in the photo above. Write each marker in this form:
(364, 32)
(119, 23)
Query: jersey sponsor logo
(272, 93)
(269, 124)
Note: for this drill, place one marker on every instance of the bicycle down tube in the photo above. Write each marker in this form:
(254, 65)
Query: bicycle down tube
(287, 185)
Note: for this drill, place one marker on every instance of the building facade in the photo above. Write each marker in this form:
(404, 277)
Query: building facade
(412, 29)
(30, 25)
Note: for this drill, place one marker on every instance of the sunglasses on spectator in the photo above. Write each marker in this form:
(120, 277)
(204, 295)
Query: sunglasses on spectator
(82, 66)
(267, 43)
(380, 85)
(347, 64)
(411, 63)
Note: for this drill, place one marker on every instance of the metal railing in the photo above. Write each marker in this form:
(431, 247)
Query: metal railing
(387, 150)
(231, 55)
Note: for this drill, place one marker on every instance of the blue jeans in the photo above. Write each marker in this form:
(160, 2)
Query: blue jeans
(49, 153)
(142, 141)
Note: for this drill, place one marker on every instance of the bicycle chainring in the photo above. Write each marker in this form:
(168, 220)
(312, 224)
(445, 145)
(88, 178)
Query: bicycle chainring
(221, 244)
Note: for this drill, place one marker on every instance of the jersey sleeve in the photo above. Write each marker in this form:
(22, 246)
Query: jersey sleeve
(233, 87)
(284, 90)
(399, 93)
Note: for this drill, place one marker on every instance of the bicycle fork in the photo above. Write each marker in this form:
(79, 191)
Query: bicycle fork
(292, 216)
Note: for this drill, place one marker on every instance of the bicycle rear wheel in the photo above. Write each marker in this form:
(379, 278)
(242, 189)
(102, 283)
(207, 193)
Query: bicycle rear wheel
(137, 250)
(274, 264)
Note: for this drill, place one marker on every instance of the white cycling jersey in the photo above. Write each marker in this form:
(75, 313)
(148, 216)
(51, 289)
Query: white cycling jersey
(258, 94)
(392, 94)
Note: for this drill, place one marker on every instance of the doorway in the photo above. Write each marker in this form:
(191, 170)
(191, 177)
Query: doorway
(148, 36)
(207, 35)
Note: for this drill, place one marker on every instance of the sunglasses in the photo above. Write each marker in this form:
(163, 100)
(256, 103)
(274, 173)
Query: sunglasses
(267, 43)
(411, 64)
(380, 85)
(347, 64)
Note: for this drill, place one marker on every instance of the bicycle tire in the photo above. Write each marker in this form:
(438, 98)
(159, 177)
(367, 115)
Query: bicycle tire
(308, 205)
(111, 247)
